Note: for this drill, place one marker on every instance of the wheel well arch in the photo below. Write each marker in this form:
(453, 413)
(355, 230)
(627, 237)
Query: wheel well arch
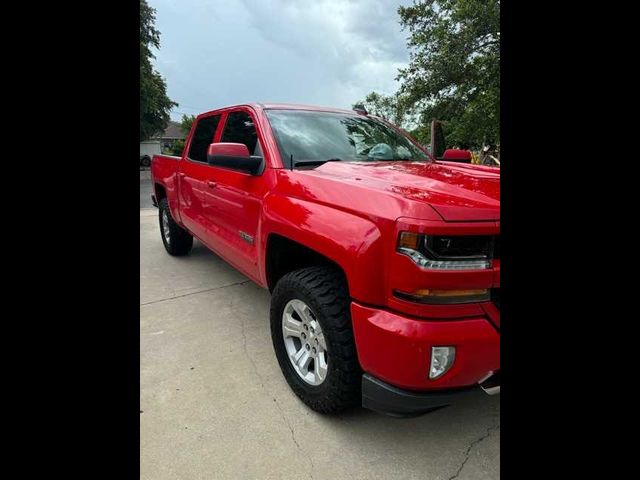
(161, 192)
(284, 255)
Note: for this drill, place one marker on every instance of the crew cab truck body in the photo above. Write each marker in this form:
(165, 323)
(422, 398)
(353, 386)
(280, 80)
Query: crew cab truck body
(383, 263)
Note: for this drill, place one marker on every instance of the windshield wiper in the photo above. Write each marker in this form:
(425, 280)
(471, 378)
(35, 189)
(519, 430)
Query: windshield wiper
(309, 163)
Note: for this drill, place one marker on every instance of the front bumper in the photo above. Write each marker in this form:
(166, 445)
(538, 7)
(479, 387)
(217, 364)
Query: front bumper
(396, 349)
(381, 397)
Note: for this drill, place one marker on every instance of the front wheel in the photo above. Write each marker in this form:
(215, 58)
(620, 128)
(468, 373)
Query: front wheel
(177, 241)
(313, 338)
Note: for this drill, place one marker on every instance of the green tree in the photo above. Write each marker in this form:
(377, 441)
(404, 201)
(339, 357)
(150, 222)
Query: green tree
(186, 123)
(389, 107)
(155, 105)
(176, 147)
(422, 133)
(453, 73)
(454, 69)
(397, 110)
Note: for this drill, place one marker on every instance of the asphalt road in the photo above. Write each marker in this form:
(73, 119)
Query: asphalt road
(214, 404)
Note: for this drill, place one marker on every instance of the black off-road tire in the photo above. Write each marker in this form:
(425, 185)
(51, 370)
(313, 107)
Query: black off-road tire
(180, 241)
(324, 290)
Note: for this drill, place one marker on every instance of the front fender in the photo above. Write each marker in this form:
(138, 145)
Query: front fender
(352, 242)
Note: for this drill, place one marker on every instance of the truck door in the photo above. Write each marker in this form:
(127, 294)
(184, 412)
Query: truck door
(233, 198)
(193, 174)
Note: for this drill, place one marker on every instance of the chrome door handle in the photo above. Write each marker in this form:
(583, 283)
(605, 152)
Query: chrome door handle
(211, 184)
(182, 175)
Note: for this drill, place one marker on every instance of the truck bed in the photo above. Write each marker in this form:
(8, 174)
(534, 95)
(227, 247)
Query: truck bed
(168, 157)
(163, 172)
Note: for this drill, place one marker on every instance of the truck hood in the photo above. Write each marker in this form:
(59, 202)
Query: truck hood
(457, 192)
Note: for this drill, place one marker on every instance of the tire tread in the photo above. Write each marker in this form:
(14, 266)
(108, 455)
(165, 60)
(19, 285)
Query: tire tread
(327, 286)
(181, 240)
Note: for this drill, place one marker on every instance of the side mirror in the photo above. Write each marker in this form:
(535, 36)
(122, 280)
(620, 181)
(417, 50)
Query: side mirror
(234, 156)
(456, 155)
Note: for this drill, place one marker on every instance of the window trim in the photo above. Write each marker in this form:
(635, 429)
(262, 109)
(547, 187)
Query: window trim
(223, 112)
(254, 118)
(216, 135)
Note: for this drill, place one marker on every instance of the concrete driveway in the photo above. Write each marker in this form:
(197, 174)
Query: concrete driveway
(214, 405)
(145, 188)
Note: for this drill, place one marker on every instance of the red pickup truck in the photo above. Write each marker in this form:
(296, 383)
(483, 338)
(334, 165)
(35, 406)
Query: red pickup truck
(382, 261)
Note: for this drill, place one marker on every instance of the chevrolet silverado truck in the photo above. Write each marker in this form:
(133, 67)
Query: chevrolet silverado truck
(383, 262)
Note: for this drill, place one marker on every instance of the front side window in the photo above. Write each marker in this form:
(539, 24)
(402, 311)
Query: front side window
(239, 128)
(321, 136)
(203, 137)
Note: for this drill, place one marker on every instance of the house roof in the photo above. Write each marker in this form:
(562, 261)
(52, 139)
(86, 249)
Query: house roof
(173, 130)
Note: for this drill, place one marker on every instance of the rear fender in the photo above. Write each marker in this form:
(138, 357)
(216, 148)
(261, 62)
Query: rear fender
(164, 172)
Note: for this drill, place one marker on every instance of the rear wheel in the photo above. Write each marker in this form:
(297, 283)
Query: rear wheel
(177, 241)
(313, 338)
(145, 161)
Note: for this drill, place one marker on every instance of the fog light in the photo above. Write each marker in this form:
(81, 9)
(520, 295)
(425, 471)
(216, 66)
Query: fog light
(441, 360)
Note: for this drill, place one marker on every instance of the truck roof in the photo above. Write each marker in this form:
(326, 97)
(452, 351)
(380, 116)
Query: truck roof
(284, 106)
(295, 106)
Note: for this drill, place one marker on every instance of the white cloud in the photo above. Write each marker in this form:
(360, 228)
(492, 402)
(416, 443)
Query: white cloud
(327, 52)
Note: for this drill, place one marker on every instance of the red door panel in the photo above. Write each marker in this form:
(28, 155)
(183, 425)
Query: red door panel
(233, 198)
(193, 174)
(191, 194)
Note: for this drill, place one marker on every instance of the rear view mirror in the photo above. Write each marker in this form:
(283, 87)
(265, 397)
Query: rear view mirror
(234, 156)
(456, 155)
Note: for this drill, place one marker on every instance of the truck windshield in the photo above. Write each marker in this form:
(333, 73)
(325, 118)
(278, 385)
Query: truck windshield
(312, 138)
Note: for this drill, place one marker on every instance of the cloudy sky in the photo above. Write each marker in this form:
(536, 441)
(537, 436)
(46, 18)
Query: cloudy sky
(215, 53)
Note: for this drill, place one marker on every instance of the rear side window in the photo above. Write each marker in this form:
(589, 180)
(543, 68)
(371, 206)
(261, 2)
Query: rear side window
(203, 137)
(239, 128)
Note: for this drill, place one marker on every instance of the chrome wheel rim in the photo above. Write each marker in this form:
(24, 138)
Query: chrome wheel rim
(165, 226)
(304, 342)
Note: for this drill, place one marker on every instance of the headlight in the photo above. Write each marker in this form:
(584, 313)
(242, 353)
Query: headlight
(469, 252)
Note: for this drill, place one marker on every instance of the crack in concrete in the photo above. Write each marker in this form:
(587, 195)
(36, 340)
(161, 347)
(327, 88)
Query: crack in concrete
(471, 445)
(195, 293)
(275, 401)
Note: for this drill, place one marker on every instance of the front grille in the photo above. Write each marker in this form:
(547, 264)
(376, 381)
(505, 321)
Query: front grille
(495, 297)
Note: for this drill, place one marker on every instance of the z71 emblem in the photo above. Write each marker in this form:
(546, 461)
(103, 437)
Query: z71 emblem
(246, 237)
